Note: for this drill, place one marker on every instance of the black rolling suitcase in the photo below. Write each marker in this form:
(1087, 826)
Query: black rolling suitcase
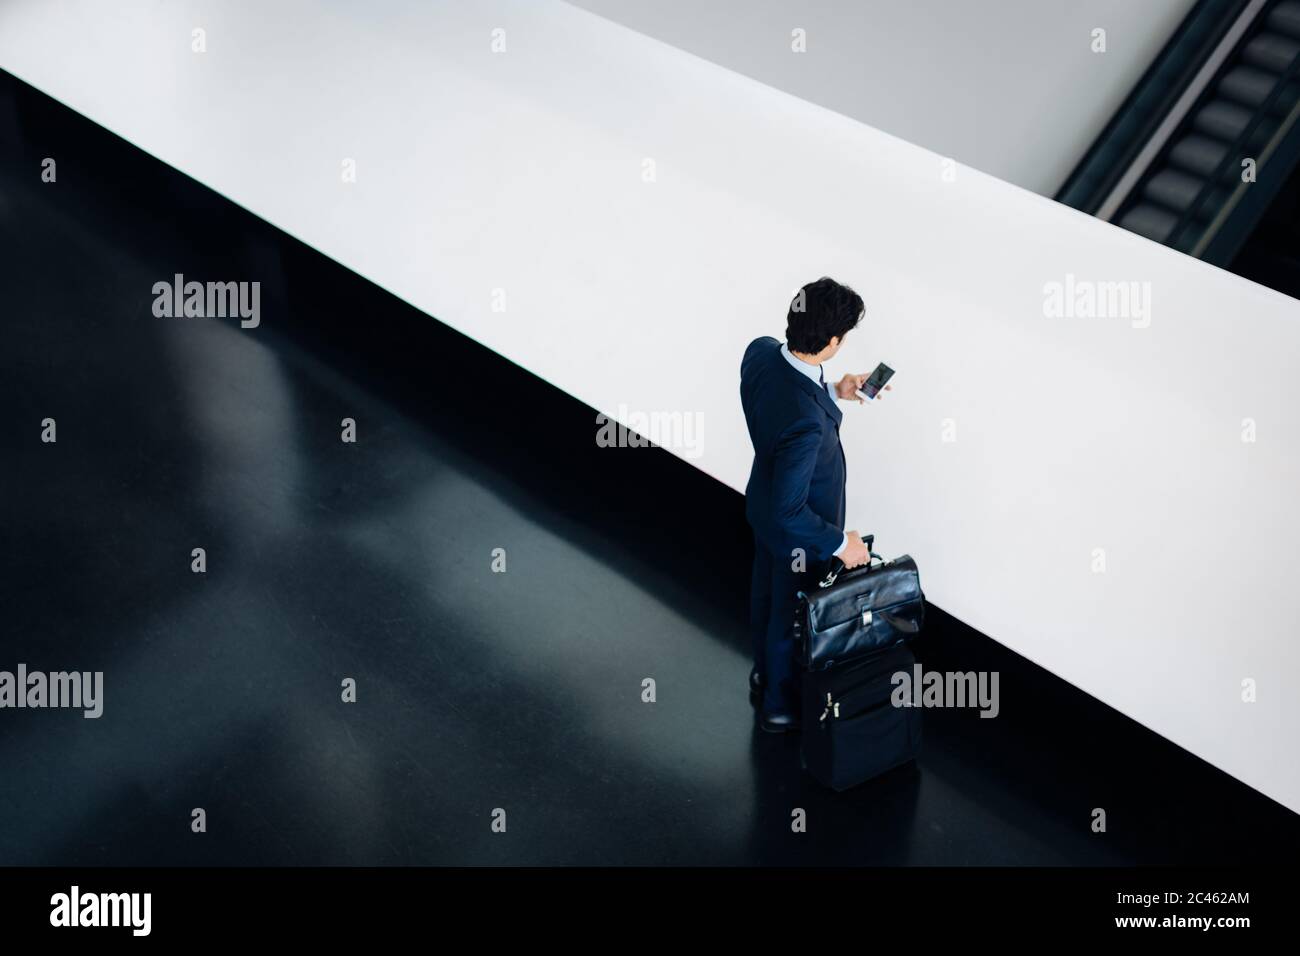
(849, 638)
(852, 730)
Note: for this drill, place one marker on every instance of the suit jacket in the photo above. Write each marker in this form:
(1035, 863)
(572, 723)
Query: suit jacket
(795, 495)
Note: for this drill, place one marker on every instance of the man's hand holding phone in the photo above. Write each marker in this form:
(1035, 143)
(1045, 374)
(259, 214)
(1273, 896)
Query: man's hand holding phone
(862, 388)
(849, 386)
(876, 382)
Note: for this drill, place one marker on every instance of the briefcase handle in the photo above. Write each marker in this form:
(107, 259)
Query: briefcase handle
(837, 566)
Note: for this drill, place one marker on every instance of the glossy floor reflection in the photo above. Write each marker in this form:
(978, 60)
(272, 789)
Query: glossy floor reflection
(374, 561)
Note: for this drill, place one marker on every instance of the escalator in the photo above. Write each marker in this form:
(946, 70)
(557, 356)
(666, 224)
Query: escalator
(1209, 140)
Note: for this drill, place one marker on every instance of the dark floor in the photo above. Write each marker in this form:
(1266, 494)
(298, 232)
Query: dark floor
(476, 690)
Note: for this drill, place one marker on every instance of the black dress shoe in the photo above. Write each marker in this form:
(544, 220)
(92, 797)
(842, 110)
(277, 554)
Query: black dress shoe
(779, 723)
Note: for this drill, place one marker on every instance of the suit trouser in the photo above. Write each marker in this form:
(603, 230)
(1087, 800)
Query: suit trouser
(772, 601)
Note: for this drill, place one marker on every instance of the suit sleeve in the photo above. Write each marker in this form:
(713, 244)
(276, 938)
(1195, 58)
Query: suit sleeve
(793, 462)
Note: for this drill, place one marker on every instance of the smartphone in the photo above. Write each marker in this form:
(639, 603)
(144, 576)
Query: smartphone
(876, 381)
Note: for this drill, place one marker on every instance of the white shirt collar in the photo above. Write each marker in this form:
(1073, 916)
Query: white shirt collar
(812, 371)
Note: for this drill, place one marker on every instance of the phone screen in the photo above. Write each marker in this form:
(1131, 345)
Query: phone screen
(877, 380)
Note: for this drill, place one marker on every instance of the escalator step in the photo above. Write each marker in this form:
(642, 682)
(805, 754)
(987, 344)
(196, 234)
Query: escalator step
(1177, 191)
(1285, 18)
(1251, 87)
(1272, 51)
(1151, 221)
(1198, 154)
(1247, 85)
(1222, 119)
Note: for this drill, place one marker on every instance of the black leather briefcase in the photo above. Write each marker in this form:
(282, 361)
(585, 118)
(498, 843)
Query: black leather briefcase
(858, 611)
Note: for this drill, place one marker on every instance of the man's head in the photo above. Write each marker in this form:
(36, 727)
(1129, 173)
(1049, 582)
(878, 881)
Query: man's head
(820, 315)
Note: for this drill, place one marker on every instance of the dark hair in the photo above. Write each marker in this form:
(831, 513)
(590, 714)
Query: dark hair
(821, 311)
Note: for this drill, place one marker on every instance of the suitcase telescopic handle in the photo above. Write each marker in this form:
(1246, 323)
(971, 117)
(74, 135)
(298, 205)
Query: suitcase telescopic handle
(837, 566)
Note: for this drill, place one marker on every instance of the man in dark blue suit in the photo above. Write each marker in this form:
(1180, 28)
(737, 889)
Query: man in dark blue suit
(795, 497)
